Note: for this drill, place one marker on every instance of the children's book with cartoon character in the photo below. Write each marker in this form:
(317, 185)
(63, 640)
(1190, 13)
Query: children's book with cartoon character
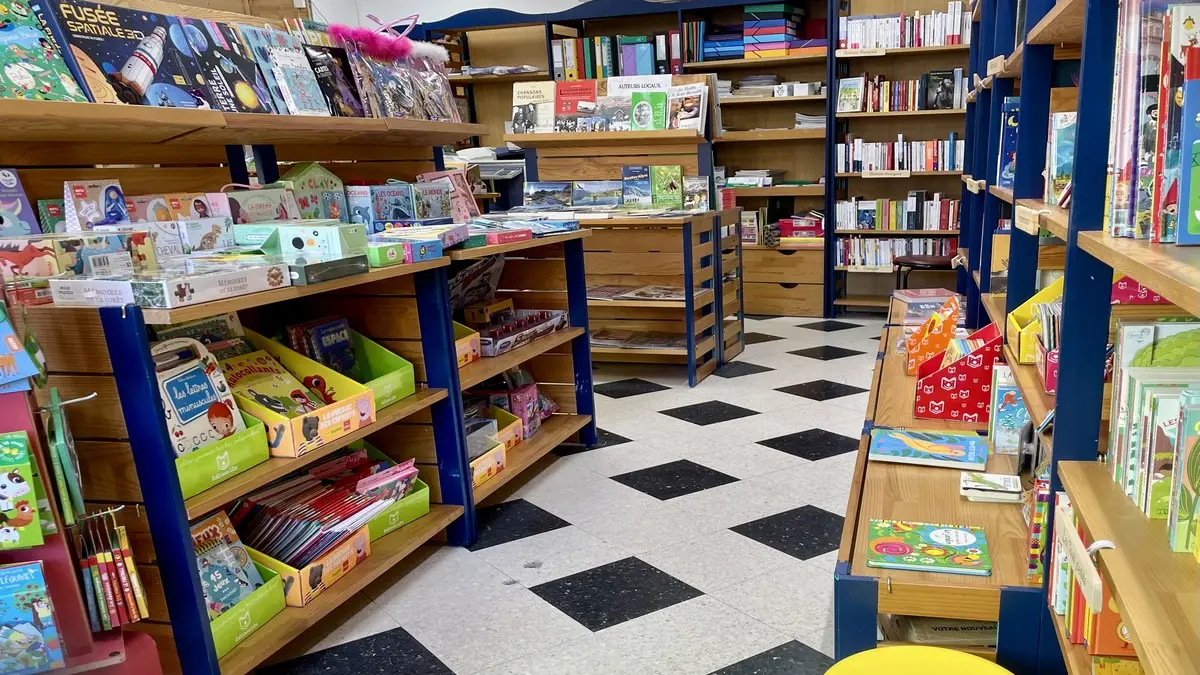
(29, 640)
(1008, 412)
(20, 525)
(197, 401)
(931, 448)
(259, 378)
(227, 574)
(31, 65)
(923, 547)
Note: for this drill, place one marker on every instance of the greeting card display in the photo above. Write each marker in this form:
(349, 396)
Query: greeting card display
(933, 336)
(960, 390)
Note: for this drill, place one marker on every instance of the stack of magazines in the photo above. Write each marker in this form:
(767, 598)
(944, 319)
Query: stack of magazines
(616, 292)
(629, 339)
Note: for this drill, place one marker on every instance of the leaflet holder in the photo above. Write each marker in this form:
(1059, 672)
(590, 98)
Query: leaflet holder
(961, 390)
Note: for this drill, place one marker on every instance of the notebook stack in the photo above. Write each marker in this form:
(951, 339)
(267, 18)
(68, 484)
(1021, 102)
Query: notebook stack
(724, 43)
(770, 30)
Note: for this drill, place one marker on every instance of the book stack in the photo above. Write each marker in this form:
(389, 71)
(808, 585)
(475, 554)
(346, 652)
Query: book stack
(919, 211)
(617, 292)
(856, 155)
(756, 85)
(905, 30)
(770, 30)
(725, 43)
(880, 254)
(804, 121)
(754, 178)
(935, 90)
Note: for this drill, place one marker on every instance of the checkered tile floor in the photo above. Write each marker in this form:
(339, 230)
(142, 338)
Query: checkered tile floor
(698, 537)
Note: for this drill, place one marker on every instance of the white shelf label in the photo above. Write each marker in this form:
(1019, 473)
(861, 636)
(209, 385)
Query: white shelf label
(1077, 557)
(1027, 219)
(995, 66)
(851, 53)
(886, 174)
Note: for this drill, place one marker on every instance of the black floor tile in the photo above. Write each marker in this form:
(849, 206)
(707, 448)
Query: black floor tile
(755, 338)
(614, 593)
(630, 387)
(740, 368)
(709, 412)
(392, 651)
(821, 390)
(804, 533)
(826, 352)
(603, 440)
(789, 658)
(674, 479)
(828, 326)
(509, 521)
(813, 444)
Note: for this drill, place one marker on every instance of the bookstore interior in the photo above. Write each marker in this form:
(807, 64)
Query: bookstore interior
(636, 336)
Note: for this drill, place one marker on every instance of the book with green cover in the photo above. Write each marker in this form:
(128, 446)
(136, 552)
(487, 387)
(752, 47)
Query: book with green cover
(649, 111)
(666, 187)
(923, 547)
(1185, 479)
(20, 522)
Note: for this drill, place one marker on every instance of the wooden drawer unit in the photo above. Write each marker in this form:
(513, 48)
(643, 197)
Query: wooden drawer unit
(784, 266)
(785, 299)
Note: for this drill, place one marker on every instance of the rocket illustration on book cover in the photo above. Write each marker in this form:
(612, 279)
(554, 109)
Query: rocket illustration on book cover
(134, 57)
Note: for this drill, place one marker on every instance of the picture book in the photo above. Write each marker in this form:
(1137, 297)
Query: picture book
(1113, 665)
(1008, 412)
(227, 575)
(922, 547)
(287, 72)
(359, 204)
(258, 378)
(989, 487)
(686, 106)
(17, 216)
(616, 111)
(695, 193)
(648, 111)
(597, 193)
(31, 63)
(393, 201)
(1144, 386)
(91, 203)
(1181, 28)
(332, 69)
(333, 346)
(28, 624)
(1157, 463)
(850, 94)
(17, 361)
(20, 524)
(1182, 520)
(635, 186)
(666, 186)
(230, 69)
(433, 200)
(533, 108)
(931, 448)
(573, 101)
(131, 56)
(197, 402)
(548, 195)
(1006, 169)
(65, 462)
(1060, 156)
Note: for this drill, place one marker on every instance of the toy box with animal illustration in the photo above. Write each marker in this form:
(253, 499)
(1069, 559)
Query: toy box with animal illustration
(90, 253)
(178, 283)
(274, 390)
(301, 586)
(20, 526)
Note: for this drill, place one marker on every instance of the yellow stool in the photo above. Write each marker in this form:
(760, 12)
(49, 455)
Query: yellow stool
(914, 660)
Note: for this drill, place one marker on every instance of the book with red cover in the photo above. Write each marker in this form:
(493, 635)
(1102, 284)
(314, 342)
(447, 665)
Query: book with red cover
(574, 99)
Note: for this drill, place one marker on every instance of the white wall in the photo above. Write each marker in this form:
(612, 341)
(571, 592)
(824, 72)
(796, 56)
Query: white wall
(337, 11)
(355, 11)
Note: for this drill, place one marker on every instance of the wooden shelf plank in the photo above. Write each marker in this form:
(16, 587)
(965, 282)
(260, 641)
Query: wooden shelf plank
(1012, 64)
(276, 467)
(759, 135)
(386, 552)
(647, 352)
(899, 233)
(1054, 220)
(903, 113)
(1173, 271)
(702, 297)
(552, 434)
(880, 301)
(912, 174)
(795, 247)
(262, 129)
(754, 63)
(61, 122)
(1037, 401)
(993, 303)
(900, 51)
(584, 139)
(459, 78)
(766, 100)
(484, 251)
(1078, 661)
(485, 196)
(1004, 194)
(478, 371)
(1062, 24)
(814, 190)
(1157, 591)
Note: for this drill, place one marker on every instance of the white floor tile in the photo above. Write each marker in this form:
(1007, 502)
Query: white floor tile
(553, 473)
(736, 503)
(367, 621)
(645, 529)
(749, 460)
(551, 555)
(796, 600)
(718, 560)
(598, 499)
(622, 458)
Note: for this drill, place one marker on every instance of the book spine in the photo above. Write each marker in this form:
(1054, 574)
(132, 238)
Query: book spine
(1188, 232)
(556, 49)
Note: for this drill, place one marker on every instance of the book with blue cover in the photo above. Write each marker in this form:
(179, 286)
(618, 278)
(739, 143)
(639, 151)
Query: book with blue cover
(1007, 167)
(930, 448)
(597, 193)
(636, 186)
(28, 627)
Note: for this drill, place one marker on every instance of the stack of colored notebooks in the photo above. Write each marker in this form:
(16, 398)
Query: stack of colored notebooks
(724, 43)
(771, 30)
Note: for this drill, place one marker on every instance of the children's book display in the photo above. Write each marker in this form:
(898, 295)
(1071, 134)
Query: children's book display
(1008, 412)
(922, 547)
(113, 590)
(20, 521)
(933, 336)
(966, 450)
(28, 624)
(656, 187)
(954, 385)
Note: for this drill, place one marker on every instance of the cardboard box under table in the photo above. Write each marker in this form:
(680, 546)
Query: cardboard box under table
(353, 404)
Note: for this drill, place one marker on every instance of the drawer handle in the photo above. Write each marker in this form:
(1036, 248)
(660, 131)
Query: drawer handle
(789, 286)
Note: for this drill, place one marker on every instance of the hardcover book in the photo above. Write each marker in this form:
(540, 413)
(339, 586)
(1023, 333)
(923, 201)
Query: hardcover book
(258, 377)
(989, 487)
(695, 193)
(923, 547)
(533, 108)
(1060, 156)
(393, 201)
(197, 402)
(227, 575)
(229, 68)
(1008, 412)
(635, 186)
(28, 624)
(573, 101)
(31, 65)
(666, 187)
(1182, 519)
(929, 448)
(433, 200)
(548, 195)
(616, 111)
(597, 193)
(131, 56)
(332, 69)
(686, 106)
(1007, 167)
(287, 72)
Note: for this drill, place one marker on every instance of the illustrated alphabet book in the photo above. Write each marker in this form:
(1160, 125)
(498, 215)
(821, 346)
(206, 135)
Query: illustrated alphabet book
(197, 402)
(922, 547)
(29, 640)
(931, 448)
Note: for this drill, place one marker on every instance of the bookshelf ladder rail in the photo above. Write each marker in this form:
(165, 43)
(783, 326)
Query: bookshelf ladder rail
(581, 345)
(1004, 25)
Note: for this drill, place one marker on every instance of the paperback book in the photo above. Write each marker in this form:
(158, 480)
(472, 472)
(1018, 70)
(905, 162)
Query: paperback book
(28, 624)
(227, 575)
(686, 105)
(929, 448)
(332, 69)
(666, 187)
(533, 108)
(649, 111)
(695, 193)
(923, 547)
(548, 194)
(597, 193)
(635, 186)
(616, 111)
(288, 74)
(258, 377)
(850, 94)
(1008, 412)
(989, 487)
(574, 103)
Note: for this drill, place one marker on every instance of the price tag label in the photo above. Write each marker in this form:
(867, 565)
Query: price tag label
(851, 53)
(995, 66)
(886, 174)
(1027, 219)
(1081, 564)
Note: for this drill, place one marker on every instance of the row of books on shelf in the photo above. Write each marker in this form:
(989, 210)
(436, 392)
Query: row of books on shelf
(609, 55)
(767, 31)
(920, 210)
(856, 155)
(767, 86)
(640, 187)
(935, 90)
(67, 50)
(881, 253)
(619, 103)
(1060, 158)
(806, 229)
(1152, 185)
(895, 31)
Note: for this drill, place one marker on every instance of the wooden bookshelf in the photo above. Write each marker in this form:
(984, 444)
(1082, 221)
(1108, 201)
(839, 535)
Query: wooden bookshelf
(1004, 194)
(769, 62)
(904, 113)
(816, 190)
(617, 138)
(993, 304)
(760, 135)
(897, 233)
(862, 301)
(1037, 401)
(910, 174)
(510, 77)
(1173, 271)
(552, 434)
(1078, 661)
(770, 100)
(899, 51)
(1063, 24)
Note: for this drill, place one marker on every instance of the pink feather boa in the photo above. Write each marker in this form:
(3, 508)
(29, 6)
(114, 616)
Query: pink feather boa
(373, 44)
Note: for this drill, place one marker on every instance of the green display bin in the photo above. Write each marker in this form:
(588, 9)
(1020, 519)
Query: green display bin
(390, 376)
(240, 622)
(403, 512)
(220, 461)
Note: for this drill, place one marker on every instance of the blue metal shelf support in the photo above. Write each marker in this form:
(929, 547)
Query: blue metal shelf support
(581, 347)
